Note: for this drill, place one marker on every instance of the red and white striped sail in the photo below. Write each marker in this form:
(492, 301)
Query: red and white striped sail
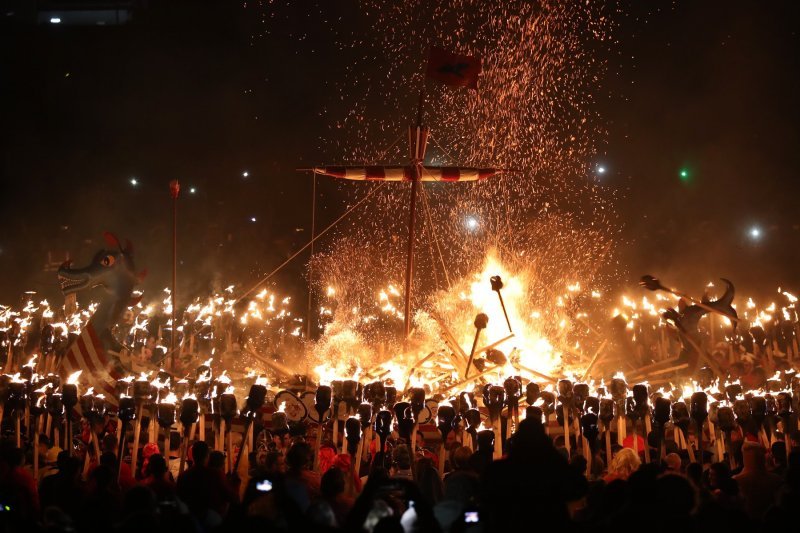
(88, 354)
(406, 173)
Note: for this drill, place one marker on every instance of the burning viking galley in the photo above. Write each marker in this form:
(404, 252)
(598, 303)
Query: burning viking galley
(667, 367)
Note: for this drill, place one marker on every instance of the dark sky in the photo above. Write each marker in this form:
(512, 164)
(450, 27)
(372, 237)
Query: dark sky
(184, 91)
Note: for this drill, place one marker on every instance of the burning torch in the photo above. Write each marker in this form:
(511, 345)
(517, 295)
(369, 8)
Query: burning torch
(497, 284)
(481, 321)
(445, 416)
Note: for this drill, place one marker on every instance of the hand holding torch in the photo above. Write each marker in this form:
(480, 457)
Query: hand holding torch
(190, 412)
(606, 415)
(681, 419)
(619, 392)
(445, 416)
(699, 413)
(417, 397)
(69, 396)
(142, 393)
(727, 423)
(37, 408)
(383, 427)
(365, 418)
(641, 411)
(322, 404)
(405, 420)
(564, 413)
(784, 401)
(758, 413)
(352, 433)
(513, 389)
(548, 407)
(337, 387)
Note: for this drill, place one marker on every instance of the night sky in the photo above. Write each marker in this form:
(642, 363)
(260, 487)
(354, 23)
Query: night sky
(188, 91)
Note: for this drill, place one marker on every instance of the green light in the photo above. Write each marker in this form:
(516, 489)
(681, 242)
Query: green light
(684, 174)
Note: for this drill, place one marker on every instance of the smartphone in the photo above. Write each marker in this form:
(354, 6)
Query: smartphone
(471, 517)
(264, 486)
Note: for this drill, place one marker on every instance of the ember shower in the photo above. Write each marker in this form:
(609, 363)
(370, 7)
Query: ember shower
(543, 66)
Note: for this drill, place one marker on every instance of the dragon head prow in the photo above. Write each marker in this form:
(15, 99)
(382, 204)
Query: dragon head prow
(111, 268)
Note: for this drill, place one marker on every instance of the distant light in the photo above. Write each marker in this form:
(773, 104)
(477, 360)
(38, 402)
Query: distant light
(252, 219)
(192, 190)
(755, 232)
(55, 20)
(134, 182)
(684, 174)
(601, 169)
(471, 223)
(245, 174)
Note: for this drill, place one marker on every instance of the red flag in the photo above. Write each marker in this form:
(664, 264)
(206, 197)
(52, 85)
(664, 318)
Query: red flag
(454, 69)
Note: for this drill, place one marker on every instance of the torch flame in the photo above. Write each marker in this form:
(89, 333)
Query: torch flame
(169, 399)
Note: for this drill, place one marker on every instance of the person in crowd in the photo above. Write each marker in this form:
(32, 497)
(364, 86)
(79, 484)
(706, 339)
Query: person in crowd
(274, 463)
(49, 465)
(673, 463)
(623, 464)
(724, 489)
(103, 502)
(110, 444)
(203, 489)
(301, 483)
(428, 480)
(159, 480)
(332, 491)
(757, 485)
(401, 463)
(148, 450)
(533, 480)
(778, 458)
(63, 489)
(17, 486)
(460, 490)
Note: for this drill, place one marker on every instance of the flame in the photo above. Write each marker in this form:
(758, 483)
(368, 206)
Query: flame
(73, 378)
(89, 392)
(32, 361)
(189, 396)
(282, 407)
(620, 375)
(474, 295)
(416, 381)
(230, 390)
(157, 383)
(169, 399)
(689, 389)
(261, 380)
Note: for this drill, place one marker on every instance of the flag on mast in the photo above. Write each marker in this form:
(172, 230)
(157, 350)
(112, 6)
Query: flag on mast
(453, 69)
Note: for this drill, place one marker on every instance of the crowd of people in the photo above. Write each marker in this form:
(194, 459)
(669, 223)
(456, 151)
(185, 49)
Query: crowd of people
(536, 483)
